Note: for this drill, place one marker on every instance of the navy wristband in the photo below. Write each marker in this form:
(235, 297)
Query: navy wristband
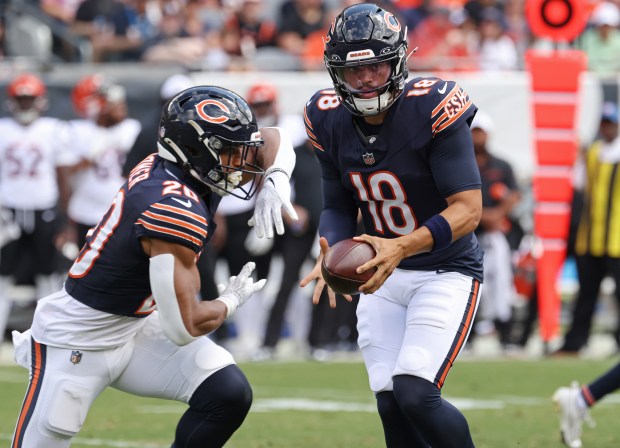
(441, 231)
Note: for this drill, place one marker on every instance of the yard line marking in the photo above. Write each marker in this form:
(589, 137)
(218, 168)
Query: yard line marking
(307, 404)
(105, 443)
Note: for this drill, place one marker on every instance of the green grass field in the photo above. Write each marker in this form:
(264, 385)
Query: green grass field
(309, 405)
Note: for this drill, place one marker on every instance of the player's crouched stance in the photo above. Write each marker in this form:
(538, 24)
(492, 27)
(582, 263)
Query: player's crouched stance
(128, 316)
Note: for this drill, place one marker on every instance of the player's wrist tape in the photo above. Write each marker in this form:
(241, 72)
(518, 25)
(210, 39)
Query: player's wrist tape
(273, 170)
(231, 304)
(440, 230)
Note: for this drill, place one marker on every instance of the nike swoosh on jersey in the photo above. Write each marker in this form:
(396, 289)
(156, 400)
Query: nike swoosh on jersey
(187, 203)
(443, 89)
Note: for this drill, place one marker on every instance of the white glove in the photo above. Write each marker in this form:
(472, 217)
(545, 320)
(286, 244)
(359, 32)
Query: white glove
(239, 289)
(257, 246)
(275, 194)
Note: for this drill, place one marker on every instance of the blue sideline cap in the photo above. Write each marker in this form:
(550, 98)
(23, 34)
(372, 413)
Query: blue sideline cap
(610, 112)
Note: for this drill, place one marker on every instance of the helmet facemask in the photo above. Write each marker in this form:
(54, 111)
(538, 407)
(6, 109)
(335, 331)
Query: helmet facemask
(26, 109)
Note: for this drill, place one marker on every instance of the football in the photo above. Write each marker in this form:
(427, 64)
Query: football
(341, 261)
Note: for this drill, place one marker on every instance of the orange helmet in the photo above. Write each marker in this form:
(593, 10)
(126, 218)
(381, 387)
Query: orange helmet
(26, 98)
(26, 85)
(92, 93)
(262, 97)
(262, 92)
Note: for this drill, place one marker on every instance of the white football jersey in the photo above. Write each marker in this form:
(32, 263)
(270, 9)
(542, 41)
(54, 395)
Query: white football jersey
(94, 188)
(29, 156)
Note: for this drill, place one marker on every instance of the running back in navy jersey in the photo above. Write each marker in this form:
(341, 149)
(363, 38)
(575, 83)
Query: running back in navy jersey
(394, 178)
(111, 273)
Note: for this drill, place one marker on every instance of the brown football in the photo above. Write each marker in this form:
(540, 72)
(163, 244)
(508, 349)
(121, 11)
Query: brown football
(341, 261)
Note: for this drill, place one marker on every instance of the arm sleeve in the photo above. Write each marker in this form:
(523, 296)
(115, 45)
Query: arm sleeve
(453, 162)
(339, 215)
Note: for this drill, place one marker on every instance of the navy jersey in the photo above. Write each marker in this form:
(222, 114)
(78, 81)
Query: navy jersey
(111, 273)
(398, 174)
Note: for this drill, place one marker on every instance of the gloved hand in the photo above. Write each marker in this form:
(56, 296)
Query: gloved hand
(257, 246)
(275, 194)
(239, 288)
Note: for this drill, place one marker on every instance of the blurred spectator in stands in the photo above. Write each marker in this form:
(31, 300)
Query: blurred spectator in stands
(597, 247)
(517, 27)
(497, 51)
(146, 142)
(106, 23)
(247, 29)
(601, 42)
(297, 19)
(181, 41)
(33, 191)
(475, 8)
(102, 139)
(444, 42)
(314, 43)
(61, 10)
(500, 194)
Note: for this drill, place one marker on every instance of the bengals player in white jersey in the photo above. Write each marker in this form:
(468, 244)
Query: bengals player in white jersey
(129, 316)
(101, 138)
(32, 153)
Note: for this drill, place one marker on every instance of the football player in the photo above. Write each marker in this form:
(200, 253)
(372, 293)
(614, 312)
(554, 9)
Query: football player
(401, 153)
(102, 329)
(102, 137)
(32, 155)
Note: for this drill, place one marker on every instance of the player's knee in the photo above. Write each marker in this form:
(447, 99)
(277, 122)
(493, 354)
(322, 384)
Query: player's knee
(66, 411)
(387, 406)
(380, 378)
(226, 394)
(416, 395)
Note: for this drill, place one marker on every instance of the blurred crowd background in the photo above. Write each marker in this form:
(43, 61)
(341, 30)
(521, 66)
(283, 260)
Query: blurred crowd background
(105, 67)
(234, 35)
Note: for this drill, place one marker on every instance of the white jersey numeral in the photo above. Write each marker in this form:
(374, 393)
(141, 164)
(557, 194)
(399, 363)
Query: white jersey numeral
(383, 207)
(91, 251)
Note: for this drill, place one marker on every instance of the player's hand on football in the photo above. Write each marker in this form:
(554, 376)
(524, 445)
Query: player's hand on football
(315, 274)
(273, 196)
(389, 254)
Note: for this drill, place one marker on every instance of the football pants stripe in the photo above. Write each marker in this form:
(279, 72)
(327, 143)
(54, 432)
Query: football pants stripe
(32, 394)
(459, 340)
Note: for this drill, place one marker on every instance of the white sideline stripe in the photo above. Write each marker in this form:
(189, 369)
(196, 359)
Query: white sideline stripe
(105, 443)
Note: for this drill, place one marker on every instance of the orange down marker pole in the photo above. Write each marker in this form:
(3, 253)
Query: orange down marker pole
(555, 77)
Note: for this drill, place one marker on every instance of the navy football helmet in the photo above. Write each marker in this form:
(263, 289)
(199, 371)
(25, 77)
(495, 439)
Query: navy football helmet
(201, 124)
(365, 34)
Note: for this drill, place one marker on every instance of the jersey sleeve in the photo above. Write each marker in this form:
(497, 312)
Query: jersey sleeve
(453, 162)
(451, 107)
(338, 218)
(170, 220)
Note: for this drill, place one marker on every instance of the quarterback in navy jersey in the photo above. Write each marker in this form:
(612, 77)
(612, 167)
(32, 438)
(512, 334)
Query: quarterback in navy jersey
(400, 152)
(128, 316)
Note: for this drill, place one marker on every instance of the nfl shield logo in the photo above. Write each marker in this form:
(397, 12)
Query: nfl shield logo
(76, 356)
(369, 158)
